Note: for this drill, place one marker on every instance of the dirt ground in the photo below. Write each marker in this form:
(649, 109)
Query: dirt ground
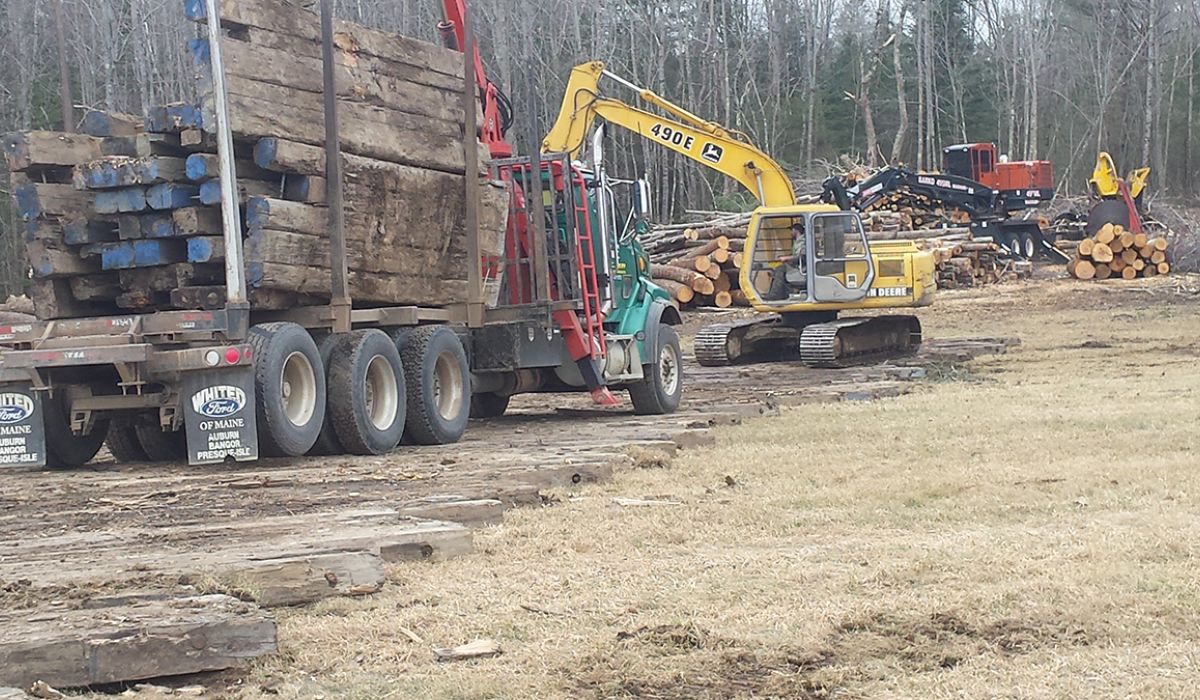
(1024, 525)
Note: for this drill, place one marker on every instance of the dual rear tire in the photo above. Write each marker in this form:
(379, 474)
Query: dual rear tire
(367, 409)
(411, 386)
(64, 449)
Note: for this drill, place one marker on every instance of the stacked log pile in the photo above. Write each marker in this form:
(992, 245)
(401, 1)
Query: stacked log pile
(961, 260)
(699, 263)
(917, 211)
(128, 216)
(1113, 252)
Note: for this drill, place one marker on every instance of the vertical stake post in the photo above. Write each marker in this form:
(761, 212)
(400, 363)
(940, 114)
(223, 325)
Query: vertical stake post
(64, 72)
(231, 219)
(339, 298)
(475, 299)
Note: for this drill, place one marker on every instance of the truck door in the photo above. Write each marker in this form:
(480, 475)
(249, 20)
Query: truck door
(838, 256)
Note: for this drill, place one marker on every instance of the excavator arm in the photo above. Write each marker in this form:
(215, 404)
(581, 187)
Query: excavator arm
(710, 144)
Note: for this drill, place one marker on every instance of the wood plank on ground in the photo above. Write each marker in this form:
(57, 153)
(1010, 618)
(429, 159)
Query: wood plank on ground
(270, 551)
(132, 640)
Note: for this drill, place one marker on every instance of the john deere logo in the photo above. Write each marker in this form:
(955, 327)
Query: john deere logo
(219, 401)
(712, 153)
(15, 408)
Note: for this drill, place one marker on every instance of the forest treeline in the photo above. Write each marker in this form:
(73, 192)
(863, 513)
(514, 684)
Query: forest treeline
(809, 80)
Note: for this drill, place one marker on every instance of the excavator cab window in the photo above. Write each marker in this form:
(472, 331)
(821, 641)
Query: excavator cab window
(781, 261)
(841, 266)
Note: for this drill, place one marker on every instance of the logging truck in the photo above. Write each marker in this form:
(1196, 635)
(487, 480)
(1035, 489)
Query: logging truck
(559, 302)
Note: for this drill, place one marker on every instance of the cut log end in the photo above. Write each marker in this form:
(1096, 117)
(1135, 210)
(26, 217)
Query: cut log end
(1101, 252)
(1081, 269)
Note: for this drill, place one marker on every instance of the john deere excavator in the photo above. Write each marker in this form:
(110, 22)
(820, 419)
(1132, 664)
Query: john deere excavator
(804, 264)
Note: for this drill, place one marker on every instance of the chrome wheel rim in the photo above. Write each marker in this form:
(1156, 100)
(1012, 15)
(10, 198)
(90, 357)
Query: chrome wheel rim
(668, 369)
(448, 386)
(298, 389)
(382, 394)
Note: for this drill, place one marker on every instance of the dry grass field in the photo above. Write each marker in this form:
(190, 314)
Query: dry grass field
(1024, 527)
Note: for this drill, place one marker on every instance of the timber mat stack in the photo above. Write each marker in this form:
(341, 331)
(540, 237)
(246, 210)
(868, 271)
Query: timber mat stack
(1116, 253)
(127, 215)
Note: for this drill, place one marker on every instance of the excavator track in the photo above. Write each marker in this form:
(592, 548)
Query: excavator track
(835, 343)
(721, 343)
(851, 341)
(710, 345)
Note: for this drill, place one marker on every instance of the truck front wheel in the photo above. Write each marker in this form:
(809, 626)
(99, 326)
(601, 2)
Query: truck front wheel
(289, 387)
(367, 404)
(662, 388)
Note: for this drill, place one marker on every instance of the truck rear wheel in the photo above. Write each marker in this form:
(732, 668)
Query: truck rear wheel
(160, 446)
(662, 388)
(64, 449)
(289, 387)
(123, 443)
(488, 405)
(439, 386)
(327, 442)
(367, 404)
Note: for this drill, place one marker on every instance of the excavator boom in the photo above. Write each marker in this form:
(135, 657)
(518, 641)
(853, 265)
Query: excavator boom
(702, 141)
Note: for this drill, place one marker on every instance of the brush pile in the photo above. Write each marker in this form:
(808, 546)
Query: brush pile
(1113, 252)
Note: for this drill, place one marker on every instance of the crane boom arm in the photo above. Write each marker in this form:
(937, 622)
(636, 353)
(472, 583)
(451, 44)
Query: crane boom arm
(705, 142)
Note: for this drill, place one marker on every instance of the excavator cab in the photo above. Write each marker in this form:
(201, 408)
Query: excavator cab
(803, 257)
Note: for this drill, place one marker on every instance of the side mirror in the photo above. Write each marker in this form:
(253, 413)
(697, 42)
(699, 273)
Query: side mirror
(642, 203)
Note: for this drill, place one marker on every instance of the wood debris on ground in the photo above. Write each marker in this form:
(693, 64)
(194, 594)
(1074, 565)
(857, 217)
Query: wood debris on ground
(478, 649)
(1113, 252)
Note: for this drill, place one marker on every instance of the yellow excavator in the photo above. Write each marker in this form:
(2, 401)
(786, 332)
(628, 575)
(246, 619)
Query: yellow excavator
(804, 263)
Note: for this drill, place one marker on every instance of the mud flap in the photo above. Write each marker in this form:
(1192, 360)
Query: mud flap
(218, 410)
(22, 427)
